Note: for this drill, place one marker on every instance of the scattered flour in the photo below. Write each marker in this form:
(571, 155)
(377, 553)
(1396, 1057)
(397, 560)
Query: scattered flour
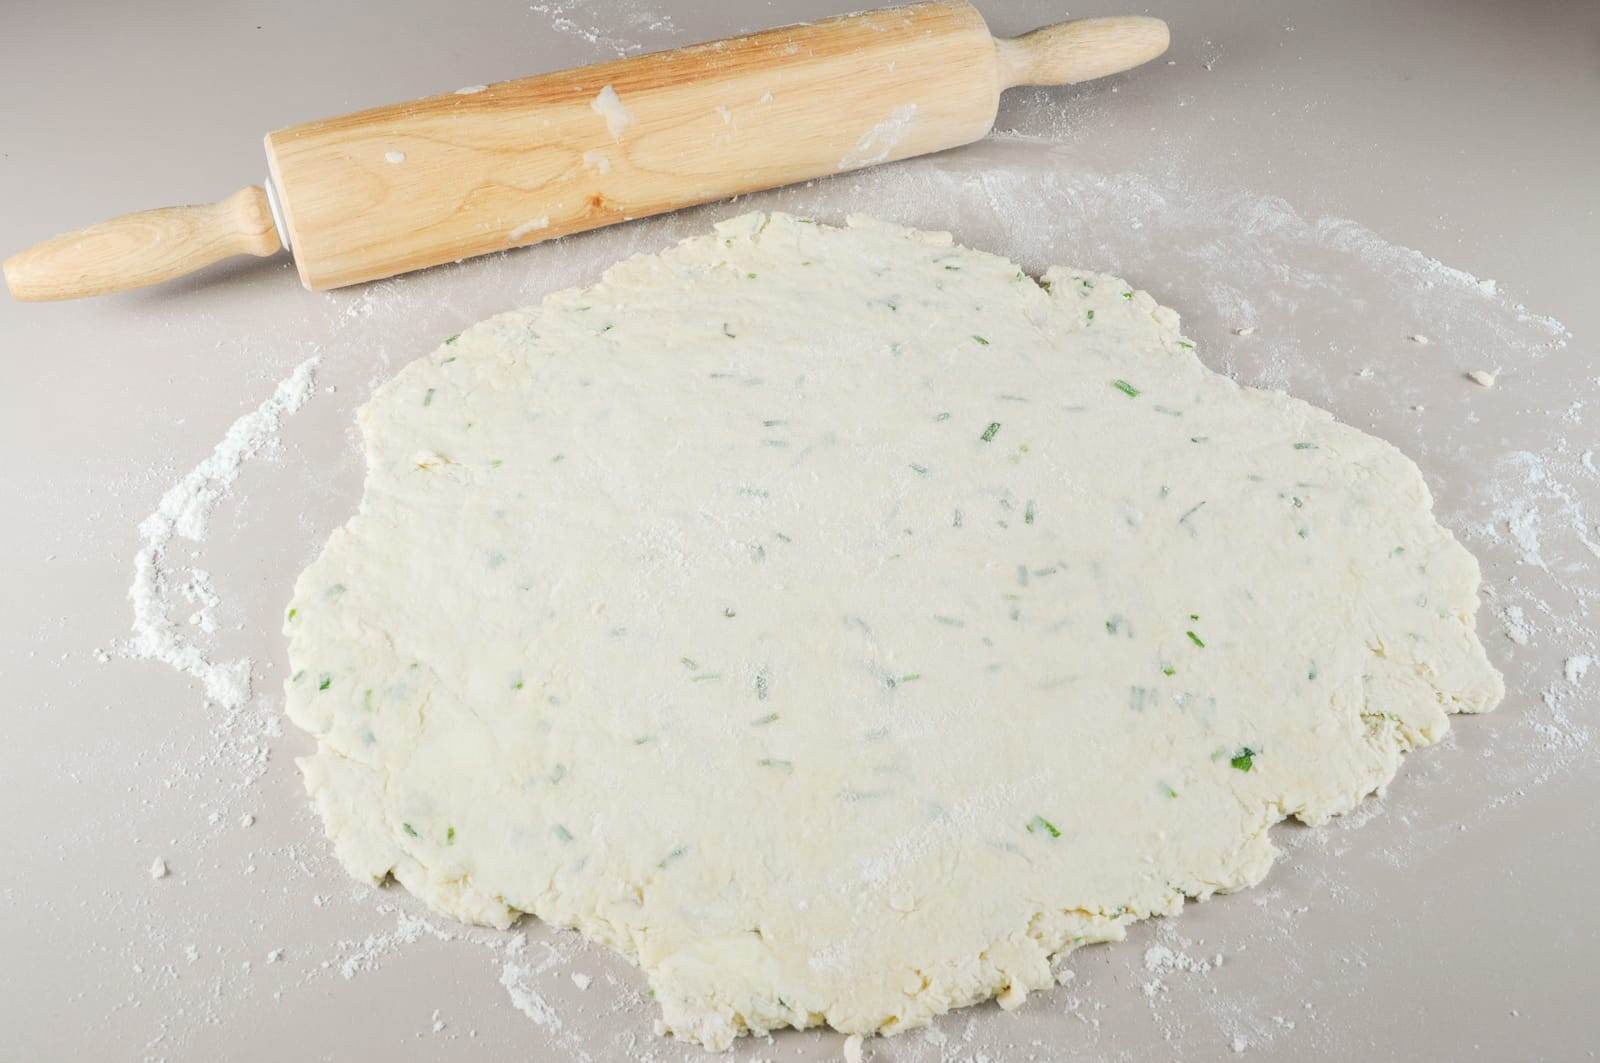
(1577, 667)
(158, 869)
(184, 513)
(876, 143)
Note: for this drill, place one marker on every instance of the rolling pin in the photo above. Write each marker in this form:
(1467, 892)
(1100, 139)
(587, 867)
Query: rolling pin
(487, 168)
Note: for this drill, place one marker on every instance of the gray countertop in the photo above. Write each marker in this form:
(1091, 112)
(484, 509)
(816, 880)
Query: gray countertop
(1276, 175)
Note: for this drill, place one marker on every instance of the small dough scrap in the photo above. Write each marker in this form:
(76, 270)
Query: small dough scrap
(845, 626)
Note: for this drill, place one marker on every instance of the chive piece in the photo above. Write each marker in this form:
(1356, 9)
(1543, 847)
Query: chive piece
(561, 832)
(761, 688)
(1243, 760)
(690, 664)
(409, 829)
(1186, 345)
(1305, 446)
(450, 836)
(1126, 388)
(773, 762)
(770, 717)
(452, 339)
(293, 613)
(1195, 639)
(981, 341)
(920, 470)
(1027, 512)
(725, 332)
(1168, 670)
(750, 276)
(1170, 791)
(670, 857)
(517, 685)
(427, 399)
(910, 676)
(1194, 616)
(990, 432)
(1040, 825)
(1127, 295)
(1091, 315)
(945, 416)
(327, 681)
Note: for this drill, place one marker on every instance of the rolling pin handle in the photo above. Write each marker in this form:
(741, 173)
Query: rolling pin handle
(1070, 52)
(149, 247)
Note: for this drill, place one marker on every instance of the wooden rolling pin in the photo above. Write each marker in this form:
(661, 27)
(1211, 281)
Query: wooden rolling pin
(487, 168)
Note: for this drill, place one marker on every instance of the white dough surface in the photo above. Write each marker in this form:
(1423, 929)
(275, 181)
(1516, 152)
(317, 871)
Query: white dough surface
(845, 625)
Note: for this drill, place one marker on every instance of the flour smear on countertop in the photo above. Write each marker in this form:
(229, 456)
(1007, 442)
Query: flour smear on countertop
(1321, 307)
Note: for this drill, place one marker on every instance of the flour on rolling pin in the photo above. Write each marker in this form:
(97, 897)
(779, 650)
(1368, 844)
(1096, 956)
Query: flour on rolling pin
(588, 147)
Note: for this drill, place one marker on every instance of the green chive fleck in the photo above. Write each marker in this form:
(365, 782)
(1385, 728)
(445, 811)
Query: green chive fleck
(1186, 345)
(293, 613)
(990, 432)
(452, 339)
(1243, 759)
(327, 681)
(1126, 388)
(427, 399)
(770, 717)
(1040, 825)
(1195, 639)
(1127, 295)
(450, 836)
(981, 341)
(1305, 446)
(409, 829)
(1091, 315)
(1168, 670)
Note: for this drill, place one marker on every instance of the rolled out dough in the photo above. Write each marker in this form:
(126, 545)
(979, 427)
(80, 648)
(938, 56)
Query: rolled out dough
(845, 626)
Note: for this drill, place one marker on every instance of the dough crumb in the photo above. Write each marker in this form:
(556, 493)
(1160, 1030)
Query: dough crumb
(470, 90)
(582, 981)
(275, 956)
(852, 1048)
(158, 869)
(1419, 339)
(1481, 377)
(1240, 1044)
(393, 157)
(608, 105)
(1577, 666)
(1248, 330)
(247, 820)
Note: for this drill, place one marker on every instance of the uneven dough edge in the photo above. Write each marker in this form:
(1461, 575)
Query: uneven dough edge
(349, 794)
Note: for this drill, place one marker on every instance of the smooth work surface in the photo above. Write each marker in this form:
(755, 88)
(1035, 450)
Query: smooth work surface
(1317, 188)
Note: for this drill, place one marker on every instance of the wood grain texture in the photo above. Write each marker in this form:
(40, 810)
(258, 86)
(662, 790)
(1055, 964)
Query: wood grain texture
(400, 188)
(146, 248)
(1087, 48)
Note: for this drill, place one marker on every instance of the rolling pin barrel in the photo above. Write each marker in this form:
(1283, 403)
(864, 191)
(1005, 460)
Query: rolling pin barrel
(401, 188)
